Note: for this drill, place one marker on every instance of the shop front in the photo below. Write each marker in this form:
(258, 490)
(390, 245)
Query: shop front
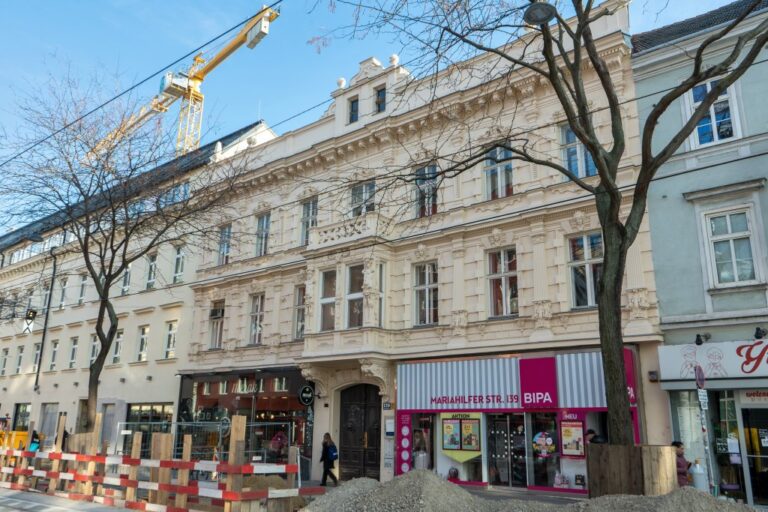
(734, 412)
(506, 420)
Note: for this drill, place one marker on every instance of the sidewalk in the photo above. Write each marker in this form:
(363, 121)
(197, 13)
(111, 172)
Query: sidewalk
(34, 502)
(509, 493)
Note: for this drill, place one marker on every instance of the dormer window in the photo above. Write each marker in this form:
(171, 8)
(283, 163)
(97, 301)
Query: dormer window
(381, 100)
(354, 110)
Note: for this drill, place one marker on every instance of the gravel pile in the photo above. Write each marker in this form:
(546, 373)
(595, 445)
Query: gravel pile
(686, 499)
(349, 496)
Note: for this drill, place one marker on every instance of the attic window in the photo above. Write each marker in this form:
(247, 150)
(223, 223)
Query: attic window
(354, 110)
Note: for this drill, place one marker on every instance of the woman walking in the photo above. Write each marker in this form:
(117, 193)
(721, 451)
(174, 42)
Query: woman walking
(329, 455)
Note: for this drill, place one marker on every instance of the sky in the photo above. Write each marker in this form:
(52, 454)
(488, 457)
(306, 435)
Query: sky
(282, 76)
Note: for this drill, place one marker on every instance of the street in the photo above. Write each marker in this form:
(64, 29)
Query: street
(33, 502)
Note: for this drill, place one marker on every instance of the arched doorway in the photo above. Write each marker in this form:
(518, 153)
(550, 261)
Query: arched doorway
(360, 432)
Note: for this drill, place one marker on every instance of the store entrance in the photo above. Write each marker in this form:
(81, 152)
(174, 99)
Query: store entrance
(756, 440)
(506, 450)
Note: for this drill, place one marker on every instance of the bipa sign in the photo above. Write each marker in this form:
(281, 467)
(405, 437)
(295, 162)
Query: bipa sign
(538, 383)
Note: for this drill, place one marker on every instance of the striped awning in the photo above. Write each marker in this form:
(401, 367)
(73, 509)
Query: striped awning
(492, 383)
(580, 380)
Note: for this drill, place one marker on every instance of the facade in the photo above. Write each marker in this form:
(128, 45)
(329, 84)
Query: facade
(710, 262)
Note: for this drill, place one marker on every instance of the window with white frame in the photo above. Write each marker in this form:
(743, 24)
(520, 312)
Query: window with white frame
(36, 360)
(308, 218)
(354, 296)
(46, 296)
(262, 234)
(95, 346)
(502, 281)
(719, 123)
(30, 297)
(117, 347)
(73, 342)
(425, 291)
(732, 247)
(216, 317)
(299, 311)
(222, 387)
(3, 361)
(171, 328)
(281, 384)
(63, 292)
(178, 265)
(125, 285)
(362, 198)
(54, 355)
(151, 271)
(19, 358)
(328, 301)
(225, 242)
(257, 319)
(426, 190)
(586, 263)
(143, 345)
(497, 170)
(576, 158)
(206, 388)
(83, 288)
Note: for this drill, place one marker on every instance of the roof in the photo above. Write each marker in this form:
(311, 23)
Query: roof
(161, 174)
(661, 36)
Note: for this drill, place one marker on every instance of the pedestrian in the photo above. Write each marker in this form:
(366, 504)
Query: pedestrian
(34, 444)
(594, 438)
(683, 478)
(328, 457)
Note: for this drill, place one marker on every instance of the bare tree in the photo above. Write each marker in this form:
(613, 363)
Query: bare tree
(107, 196)
(453, 36)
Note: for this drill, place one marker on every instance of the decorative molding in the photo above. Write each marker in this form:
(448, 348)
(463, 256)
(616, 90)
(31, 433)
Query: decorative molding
(733, 188)
(381, 373)
(320, 376)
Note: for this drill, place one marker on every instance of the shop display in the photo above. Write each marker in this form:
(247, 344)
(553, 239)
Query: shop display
(470, 435)
(451, 434)
(572, 435)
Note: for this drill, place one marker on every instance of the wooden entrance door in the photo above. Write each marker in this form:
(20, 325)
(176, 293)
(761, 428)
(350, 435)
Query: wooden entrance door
(360, 432)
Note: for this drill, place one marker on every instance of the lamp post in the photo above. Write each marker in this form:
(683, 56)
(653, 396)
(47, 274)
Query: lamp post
(539, 13)
(38, 238)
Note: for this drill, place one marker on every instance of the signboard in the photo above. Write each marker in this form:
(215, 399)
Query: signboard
(572, 437)
(470, 434)
(754, 396)
(703, 399)
(538, 383)
(306, 395)
(700, 378)
(724, 360)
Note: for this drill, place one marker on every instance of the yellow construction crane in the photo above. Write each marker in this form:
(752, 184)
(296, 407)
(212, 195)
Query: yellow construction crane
(186, 86)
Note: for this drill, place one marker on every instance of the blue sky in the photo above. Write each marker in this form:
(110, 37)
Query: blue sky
(281, 77)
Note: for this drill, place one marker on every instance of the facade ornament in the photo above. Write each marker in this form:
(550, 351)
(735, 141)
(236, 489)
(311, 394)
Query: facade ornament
(496, 238)
(380, 372)
(421, 252)
(459, 322)
(542, 314)
(320, 376)
(637, 302)
(580, 221)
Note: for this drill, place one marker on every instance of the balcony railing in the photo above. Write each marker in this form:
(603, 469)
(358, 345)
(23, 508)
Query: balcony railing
(348, 230)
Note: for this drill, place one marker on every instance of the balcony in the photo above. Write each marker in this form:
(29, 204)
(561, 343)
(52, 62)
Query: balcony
(348, 231)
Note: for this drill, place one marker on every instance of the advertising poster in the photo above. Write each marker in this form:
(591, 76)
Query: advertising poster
(470, 435)
(451, 434)
(572, 436)
(544, 445)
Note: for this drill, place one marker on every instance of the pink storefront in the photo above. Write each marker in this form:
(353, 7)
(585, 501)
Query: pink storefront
(518, 421)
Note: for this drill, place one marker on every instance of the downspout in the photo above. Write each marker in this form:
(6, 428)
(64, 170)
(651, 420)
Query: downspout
(45, 322)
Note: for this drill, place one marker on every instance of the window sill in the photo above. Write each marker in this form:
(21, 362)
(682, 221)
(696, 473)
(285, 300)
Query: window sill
(112, 366)
(78, 305)
(211, 349)
(68, 370)
(584, 309)
(426, 326)
(752, 287)
(501, 318)
(167, 360)
(138, 363)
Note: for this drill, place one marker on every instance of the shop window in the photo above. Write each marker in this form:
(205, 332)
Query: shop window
(423, 445)
(281, 384)
(242, 385)
(502, 280)
(222, 387)
(21, 417)
(586, 252)
(544, 454)
(206, 388)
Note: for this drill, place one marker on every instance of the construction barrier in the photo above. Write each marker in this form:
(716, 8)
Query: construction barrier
(120, 480)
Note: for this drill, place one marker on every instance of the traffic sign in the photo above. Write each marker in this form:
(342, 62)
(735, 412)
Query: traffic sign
(700, 380)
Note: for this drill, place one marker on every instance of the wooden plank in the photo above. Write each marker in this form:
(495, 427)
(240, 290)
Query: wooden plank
(659, 470)
(165, 449)
(154, 453)
(92, 448)
(236, 456)
(133, 471)
(24, 463)
(58, 447)
(186, 454)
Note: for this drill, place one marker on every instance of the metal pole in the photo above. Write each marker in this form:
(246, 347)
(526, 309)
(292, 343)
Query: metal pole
(45, 322)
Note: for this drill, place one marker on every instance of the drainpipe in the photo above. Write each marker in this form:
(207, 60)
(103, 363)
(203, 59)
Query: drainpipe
(45, 322)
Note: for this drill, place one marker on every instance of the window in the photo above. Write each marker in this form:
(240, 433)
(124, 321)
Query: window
(175, 194)
(362, 198)
(3, 361)
(206, 388)
(178, 265)
(36, 360)
(731, 247)
(117, 347)
(381, 100)
(170, 339)
(354, 110)
(151, 271)
(125, 287)
(54, 355)
(299, 309)
(718, 124)
(141, 354)
(497, 169)
(72, 352)
(222, 387)
(19, 358)
(355, 296)
(262, 234)
(308, 218)
(242, 385)
(46, 296)
(576, 158)
(586, 266)
(502, 280)
(95, 346)
(281, 384)
(63, 292)
(217, 325)
(426, 190)
(426, 294)
(83, 285)
(225, 239)
(257, 319)
(328, 301)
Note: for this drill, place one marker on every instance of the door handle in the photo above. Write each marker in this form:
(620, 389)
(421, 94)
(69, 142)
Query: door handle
(365, 439)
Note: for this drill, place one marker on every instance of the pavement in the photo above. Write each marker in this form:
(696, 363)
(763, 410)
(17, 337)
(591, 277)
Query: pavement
(34, 502)
(510, 493)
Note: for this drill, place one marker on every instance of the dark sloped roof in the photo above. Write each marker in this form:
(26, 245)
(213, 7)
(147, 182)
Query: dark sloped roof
(155, 177)
(660, 36)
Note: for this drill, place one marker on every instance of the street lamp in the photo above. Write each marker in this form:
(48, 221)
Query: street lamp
(539, 13)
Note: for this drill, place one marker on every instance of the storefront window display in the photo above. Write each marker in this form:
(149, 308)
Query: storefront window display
(423, 440)
(461, 444)
(544, 460)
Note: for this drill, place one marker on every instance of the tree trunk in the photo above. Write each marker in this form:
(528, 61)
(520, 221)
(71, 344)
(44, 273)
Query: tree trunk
(620, 429)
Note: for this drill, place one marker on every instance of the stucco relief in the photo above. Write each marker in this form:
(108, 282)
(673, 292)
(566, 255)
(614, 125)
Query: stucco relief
(380, 372)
